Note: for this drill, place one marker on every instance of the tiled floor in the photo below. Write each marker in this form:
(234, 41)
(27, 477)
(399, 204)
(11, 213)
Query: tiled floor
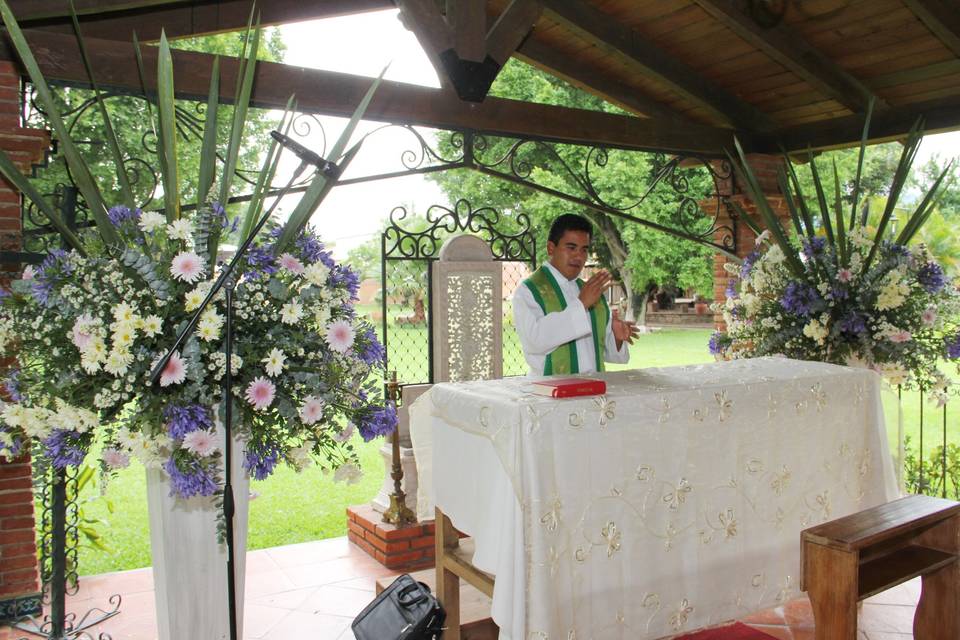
(314, 590)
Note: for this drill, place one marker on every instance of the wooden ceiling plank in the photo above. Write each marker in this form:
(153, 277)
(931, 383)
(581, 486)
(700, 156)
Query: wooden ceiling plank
(795, 54)
(942, 20)
(611, 33)
(337, 94)
(511, 28)
(935, 70)
(940, 115)
(589, 78)
(53, 9)
(468, 18)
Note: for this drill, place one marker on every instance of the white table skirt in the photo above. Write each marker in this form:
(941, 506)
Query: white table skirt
(674, 502)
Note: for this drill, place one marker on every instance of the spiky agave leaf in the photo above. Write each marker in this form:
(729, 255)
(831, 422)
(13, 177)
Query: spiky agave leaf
(924, 209)
(78, 167)
(821, 199)
(862, 151)
(248, 63)
(167, 139)
(322, 184)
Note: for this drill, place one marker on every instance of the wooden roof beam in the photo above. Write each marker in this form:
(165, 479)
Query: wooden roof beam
(784, 46)
(180, 19)
(939, 115)
(943, 19)
(337, 94)
(458, 45)
(611, 35)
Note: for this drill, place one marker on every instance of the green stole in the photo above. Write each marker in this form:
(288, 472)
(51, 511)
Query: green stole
(549, 296)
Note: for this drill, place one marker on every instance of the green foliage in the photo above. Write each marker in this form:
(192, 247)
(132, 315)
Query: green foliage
(928, 476)
(641, 257)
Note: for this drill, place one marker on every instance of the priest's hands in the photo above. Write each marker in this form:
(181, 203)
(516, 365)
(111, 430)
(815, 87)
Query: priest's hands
(623, 331)
(594, 288)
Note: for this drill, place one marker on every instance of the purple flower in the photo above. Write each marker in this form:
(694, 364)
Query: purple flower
(896, 250)
(931, 278)
(379, 421)
(373, 352)
(343, 275)
(182, 420)
(813, 247)
(953, 347)
(718, 342)
(16, 446)
(12, 385)
(839, 293)
(221, 214)
(853, 324)
(188, 478)
(120, 214)
(261, 459)
(748, 263)
(261, 261)
(731, 290)
(63, 448)
(45, 277)
(311, 249)
(801, 299)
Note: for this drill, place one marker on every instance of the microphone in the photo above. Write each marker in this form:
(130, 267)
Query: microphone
(306, 156)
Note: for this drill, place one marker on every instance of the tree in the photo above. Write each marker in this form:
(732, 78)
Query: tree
(640, 257)
(132, 117)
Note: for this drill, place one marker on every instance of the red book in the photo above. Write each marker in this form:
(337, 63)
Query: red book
(569, 387)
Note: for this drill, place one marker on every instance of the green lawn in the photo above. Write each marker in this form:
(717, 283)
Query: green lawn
(295, 507)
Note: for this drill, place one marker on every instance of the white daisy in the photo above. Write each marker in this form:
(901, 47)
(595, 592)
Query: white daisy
(291, 313)
(275, 362)
(150, 221)
(179, 229)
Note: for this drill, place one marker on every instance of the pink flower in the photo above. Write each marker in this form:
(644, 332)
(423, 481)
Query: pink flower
(844, 275)
(115, 459)
(900, 336)
(312, 410)
(340, 336)
(80, 336)
(187, 266)
(28, 273)
(175, 372)
(346, 434)
(291, 264)
(260, 393)
(929, 316)
(200, 442)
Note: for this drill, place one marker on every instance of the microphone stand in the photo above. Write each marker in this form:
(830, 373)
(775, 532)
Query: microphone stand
(227, 281)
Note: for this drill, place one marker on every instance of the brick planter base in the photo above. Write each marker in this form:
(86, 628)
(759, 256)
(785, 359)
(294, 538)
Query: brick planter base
(407, 548)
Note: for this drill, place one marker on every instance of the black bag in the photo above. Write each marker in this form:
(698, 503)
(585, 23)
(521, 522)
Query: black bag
(406, 610)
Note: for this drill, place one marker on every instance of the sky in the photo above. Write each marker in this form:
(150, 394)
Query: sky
(362, 45)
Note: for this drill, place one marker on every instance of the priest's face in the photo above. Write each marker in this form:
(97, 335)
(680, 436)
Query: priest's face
(569, 254)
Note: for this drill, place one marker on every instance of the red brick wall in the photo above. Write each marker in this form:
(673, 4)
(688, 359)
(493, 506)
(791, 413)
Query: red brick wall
(764, 167)
(18, 561)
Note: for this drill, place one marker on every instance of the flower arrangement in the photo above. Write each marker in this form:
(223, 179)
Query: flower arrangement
(92, 321)
(840, 290)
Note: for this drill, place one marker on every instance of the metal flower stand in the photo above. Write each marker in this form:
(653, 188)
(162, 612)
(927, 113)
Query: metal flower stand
(58, 566)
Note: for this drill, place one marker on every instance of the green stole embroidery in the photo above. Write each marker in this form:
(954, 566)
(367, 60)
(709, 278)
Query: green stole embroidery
(549, 296)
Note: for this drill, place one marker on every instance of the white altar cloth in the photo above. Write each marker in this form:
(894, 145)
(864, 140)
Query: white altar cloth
(671, 503)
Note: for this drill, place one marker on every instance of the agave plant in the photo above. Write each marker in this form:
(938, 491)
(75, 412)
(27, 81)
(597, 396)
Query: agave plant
(837, 223)
(211, 187)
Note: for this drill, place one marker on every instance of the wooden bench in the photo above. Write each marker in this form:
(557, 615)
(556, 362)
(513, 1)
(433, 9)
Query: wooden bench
(852, 558)
(455, 562)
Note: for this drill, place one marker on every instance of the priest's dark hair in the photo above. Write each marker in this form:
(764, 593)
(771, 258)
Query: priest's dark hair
(569, 222)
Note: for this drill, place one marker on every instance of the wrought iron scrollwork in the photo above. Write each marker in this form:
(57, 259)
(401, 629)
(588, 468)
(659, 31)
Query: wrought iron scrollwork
(401, 243)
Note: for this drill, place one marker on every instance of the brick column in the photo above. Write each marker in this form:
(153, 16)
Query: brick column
(764, 167)
(19, 584)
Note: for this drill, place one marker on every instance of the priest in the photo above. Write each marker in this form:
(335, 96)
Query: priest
(565, 325)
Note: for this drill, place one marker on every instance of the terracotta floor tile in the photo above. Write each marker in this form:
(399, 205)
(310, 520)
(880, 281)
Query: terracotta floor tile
(767, 617)
(258, 620)
(297, 624)
(261, 560)
(337, 601)
(293, 555)
(289, 600)
(907, 593)
(880, 635)
(263, 583)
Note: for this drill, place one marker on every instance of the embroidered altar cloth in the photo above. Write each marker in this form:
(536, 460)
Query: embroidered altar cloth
(673, 502)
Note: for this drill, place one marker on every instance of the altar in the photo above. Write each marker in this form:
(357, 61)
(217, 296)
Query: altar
(672, 502)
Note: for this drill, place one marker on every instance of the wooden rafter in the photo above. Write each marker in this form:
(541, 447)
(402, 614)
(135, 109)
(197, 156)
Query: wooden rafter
(942, 18)
(610, 88)
(784, 46)
(612, 35)
(938, 115)
(330, 93)
(458, 45)
(180, 20)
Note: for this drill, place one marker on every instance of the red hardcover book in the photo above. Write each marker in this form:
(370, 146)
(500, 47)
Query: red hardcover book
(569, 387)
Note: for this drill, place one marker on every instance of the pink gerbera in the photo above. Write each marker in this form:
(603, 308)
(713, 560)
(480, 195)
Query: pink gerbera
(340, 336)
(187, 266)
(844, 275)
(929, 316)
(200, 442)
(901, 336)
(312, 410)
(115, 459)
(175, 372)
(291, 264)
(260, 393)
